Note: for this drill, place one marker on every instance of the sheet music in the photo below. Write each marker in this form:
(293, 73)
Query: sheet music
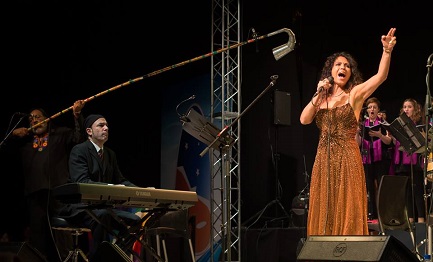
(406, 132)
(199, 127)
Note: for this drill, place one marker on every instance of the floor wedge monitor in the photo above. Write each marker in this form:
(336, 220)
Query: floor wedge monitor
(355, 248)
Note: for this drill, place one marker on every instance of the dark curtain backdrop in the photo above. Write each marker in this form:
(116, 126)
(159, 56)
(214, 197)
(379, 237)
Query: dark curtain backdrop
(58, 52)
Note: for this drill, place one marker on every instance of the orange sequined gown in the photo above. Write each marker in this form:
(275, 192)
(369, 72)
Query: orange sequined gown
(338, 194)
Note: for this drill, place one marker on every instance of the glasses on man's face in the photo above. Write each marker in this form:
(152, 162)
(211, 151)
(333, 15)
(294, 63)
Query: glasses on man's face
(35, 117)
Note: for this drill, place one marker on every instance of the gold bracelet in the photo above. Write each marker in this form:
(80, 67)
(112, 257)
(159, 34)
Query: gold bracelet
(313, 103)
(386, 50)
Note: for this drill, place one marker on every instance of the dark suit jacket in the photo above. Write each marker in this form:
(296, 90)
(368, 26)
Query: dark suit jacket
(85, 166)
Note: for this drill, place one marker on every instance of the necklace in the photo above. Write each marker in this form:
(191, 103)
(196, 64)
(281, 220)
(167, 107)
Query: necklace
(339, 94)
(40, 142)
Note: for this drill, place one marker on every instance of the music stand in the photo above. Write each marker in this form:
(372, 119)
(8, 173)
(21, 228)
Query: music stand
(428, 129)
(411, 140)
(200, 128)
(406, 132)
(196, 125)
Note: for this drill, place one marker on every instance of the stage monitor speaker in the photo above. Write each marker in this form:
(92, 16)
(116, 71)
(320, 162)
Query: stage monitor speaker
(109, 252)
(355, 248)
(19, 252)
(282, 108)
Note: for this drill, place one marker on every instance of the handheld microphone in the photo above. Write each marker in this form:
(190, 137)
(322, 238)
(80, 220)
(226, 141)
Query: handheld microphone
(331, 81)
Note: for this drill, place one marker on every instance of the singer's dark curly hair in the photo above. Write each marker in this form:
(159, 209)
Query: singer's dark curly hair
(356, 76)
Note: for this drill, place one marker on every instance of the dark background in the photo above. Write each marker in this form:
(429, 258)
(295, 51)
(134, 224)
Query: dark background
(55, 52)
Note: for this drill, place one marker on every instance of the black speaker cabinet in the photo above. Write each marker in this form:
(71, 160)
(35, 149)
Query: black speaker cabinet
(19, 251)
(282, 108)
(355, 248)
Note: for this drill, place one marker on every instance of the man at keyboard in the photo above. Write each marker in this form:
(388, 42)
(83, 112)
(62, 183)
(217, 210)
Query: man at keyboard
(92, 162)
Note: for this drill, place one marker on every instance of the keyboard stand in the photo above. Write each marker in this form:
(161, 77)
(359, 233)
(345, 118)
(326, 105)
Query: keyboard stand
(135, 232)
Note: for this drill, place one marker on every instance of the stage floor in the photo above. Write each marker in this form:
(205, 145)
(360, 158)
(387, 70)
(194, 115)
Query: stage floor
(284, 244)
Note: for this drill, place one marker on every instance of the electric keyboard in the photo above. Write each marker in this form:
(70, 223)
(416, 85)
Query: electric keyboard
(117, 195)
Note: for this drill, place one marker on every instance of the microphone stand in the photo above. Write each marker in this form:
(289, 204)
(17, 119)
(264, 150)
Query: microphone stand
(428, 116)
(366, 154)
(305, 200)
(225, 129)
(10, 132)
(278, 194)
(224, 136)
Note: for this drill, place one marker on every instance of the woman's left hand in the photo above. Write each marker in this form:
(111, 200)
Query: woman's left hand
(389, 41)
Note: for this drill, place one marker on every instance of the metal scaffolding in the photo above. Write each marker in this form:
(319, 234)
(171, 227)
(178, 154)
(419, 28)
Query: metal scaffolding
(225, 197)
(225, 107)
